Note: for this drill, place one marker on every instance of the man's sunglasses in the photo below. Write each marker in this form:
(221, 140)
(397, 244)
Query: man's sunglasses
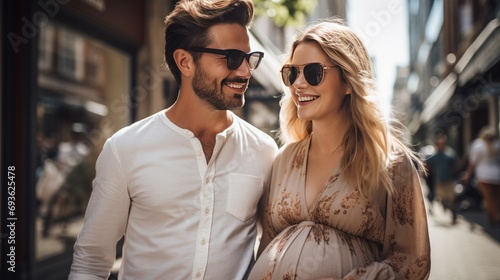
(234, 58)
(313, 72)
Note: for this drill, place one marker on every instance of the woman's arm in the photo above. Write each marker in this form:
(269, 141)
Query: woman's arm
(406, 248)
(264, 210)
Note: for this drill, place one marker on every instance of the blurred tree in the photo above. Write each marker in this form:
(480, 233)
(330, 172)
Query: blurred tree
(285, 12)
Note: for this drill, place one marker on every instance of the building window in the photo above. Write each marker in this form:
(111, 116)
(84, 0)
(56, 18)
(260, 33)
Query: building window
(71, 54)
(46, 47)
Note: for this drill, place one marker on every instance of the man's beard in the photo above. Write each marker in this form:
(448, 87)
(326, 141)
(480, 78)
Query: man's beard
(208, 89)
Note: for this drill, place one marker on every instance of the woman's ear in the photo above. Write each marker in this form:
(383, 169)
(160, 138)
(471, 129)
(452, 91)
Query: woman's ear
(184, 62)
(349, 90)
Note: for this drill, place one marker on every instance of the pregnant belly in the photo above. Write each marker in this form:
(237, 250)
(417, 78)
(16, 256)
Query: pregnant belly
(311, 251)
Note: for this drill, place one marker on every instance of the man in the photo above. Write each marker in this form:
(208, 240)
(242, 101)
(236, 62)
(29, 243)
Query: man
(183, 185)
(425, 153)
(444, 167)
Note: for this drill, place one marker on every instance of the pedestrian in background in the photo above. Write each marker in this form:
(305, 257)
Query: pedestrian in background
(484, 162)
(425, 153)
(444, 166)
(182, 186)
(345, 200)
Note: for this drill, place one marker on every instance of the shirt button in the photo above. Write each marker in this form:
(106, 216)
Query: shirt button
(190, 134)
(207, 180)
(203, 242)
(207, 211)
(198, 274)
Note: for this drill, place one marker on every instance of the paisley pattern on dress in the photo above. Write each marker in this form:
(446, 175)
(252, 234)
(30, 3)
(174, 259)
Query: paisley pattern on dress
(344, 234)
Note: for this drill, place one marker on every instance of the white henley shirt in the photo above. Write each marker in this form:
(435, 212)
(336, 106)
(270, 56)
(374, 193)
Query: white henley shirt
(181, 217)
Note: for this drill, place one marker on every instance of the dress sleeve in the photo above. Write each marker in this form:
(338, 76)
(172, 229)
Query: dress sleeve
(265, 238)
(406, 248)
(265, 204)
(105, 219)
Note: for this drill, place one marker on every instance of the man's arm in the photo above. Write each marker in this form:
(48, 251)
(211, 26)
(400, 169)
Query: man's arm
(105, 219)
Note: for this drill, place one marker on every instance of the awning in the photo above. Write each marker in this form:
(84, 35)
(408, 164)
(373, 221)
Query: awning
(482, 54)
(438, 99)
(268, 72)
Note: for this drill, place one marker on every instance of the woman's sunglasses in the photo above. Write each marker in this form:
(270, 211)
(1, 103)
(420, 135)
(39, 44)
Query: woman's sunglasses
(234, 58)
(313, 72)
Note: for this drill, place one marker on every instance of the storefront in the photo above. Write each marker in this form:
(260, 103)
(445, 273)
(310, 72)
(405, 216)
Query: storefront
(479, 83)
(66, 68)
(468, 98)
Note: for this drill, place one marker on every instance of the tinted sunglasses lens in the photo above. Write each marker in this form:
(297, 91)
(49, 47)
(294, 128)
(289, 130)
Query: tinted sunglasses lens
(234, 59)
(313, 73)
(289, 75)
(254, 60)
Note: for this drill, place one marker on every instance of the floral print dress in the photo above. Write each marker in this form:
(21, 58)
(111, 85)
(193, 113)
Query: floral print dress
(344, 235)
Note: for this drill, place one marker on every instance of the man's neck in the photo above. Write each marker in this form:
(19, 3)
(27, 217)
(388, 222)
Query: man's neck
(203, 121)
(199, 117)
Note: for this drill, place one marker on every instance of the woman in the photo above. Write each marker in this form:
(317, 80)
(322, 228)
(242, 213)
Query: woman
(345, 200)
(484, 161)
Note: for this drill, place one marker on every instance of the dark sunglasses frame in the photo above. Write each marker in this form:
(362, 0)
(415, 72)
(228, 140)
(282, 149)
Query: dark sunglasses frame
(313, 81)
(233, 62)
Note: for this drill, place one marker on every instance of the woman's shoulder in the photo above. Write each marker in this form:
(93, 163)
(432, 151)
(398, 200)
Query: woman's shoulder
(292, 148)
(403, 161)
(293, 153)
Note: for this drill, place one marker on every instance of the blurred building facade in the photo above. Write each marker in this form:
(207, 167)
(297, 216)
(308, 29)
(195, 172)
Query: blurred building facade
(454, 69)
(402, 98)
(68, 72)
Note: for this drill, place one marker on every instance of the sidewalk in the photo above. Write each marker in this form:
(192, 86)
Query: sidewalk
(480, 219)
(469, 249)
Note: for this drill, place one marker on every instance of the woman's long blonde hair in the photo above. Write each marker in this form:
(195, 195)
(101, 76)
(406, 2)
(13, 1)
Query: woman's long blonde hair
(372, 138)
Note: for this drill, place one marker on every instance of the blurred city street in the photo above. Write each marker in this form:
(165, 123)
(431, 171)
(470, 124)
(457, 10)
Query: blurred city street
(469, 249)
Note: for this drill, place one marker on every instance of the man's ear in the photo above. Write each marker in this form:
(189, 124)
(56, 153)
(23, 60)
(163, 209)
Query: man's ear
(184, 62)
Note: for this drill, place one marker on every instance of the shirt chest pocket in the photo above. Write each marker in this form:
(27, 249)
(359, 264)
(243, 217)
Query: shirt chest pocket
(244, 192)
